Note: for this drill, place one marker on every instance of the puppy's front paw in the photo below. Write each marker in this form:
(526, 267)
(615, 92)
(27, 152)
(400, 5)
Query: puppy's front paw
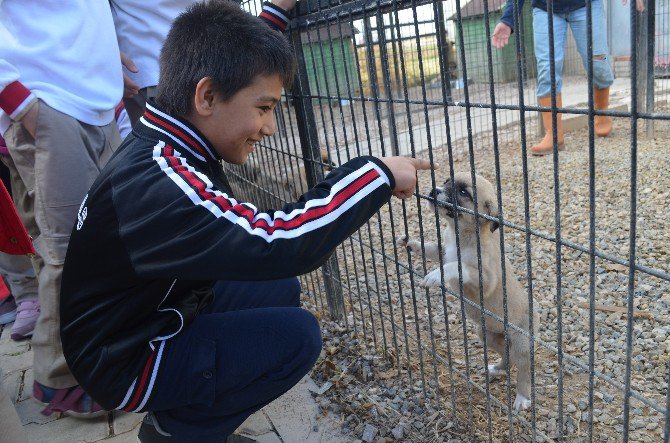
(521, 403)
(432, 279)
(495, 372)
(411, 245)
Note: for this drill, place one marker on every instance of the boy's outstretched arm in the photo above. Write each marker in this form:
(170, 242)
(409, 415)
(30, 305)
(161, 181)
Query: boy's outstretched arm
(208, 235)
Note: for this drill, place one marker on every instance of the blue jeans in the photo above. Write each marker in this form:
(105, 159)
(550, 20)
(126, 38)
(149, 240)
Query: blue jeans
(248, 347)
(602, 71)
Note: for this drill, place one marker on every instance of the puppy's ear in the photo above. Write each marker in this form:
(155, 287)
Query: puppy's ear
(492, 210)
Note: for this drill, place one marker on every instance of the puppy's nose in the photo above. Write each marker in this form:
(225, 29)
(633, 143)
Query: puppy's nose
(434, 193)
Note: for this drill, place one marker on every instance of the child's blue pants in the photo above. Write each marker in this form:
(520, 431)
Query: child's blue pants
(252, 344)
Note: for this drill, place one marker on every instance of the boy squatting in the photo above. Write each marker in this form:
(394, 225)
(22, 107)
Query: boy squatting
(176, 298)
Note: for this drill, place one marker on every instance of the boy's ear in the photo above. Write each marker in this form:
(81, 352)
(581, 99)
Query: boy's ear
(204, 97)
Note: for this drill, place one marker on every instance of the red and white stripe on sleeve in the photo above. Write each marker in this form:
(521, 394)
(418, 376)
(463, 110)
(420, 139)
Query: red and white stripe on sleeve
(315, 214)
(274, 16)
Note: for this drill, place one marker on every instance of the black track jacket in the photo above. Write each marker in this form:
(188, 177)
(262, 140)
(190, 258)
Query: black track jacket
(159, 226)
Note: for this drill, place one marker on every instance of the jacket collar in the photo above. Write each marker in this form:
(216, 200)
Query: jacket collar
(156, 123)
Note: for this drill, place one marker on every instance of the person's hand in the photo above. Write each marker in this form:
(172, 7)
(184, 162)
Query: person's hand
(404, 171)
(29, 120)
(639, 4)
(130, 88)
(501, 35)
(286, 5)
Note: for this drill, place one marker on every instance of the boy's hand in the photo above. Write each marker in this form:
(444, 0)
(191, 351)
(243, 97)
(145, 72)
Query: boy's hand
(500, 36)
(130, 88)
(404, 171)
(286, 5)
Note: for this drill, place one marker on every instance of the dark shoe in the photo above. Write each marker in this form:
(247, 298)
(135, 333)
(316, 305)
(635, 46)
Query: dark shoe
(71, 401)
(150, 433)
(235, 438)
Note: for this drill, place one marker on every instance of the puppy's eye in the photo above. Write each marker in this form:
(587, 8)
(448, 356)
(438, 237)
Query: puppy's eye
(464, 193)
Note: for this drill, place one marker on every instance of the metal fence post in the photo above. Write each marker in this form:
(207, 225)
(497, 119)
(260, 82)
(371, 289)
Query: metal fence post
(371, 62)
(309, 143)
(651, 45)
(443, 47)
(644, 43)
(386, 75)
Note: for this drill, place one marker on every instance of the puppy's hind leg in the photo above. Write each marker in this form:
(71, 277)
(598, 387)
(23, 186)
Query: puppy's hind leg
(520, 356)
(496, 341)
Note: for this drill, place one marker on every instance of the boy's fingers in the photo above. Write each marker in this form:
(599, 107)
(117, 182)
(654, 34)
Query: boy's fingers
(421, 164)
(128, 63)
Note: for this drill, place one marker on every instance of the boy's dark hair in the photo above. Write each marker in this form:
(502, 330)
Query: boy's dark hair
(217, 39)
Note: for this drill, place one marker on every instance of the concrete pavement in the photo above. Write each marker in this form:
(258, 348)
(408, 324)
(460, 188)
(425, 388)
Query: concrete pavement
(294, 417)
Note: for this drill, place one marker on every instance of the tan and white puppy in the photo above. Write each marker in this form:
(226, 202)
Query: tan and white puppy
(462, 194)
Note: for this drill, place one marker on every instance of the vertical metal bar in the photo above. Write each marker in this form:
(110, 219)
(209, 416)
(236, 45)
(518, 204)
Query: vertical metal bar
(521, 56)
(344, 128)
(359, 152)
(352, 106)
(386, 76)
(461, 293)
(526, 211)
(433, 182)
(443, 46)
(642, 63)
(557, 219)
(401, 53)
(468, 117)
(382, 48)
(634, 21)
(651, 34)
(592, 213)
(371, 63)
(438, 10)
(666, 428)
(309, 141)
(496, 151)
(374, 83)
(395, 40)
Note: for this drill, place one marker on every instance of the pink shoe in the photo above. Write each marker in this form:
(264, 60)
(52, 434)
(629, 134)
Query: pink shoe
(7, 311)
(71, 401)
(26, 317)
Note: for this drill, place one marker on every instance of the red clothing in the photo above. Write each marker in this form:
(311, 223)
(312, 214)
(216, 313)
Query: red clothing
(13, 236)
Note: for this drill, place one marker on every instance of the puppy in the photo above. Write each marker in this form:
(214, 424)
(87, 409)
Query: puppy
(461, 193)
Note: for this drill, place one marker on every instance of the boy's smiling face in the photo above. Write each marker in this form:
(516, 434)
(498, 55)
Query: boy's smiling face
(234, 126)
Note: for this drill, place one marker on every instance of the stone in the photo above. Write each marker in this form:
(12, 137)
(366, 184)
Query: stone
(398, 432)
(369, 433)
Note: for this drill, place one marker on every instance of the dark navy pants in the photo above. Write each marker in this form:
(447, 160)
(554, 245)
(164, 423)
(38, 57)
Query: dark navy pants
(251, 345)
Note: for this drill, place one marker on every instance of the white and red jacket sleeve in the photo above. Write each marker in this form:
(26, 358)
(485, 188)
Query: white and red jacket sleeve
(276, 17)
(15, 98)
(191, 230)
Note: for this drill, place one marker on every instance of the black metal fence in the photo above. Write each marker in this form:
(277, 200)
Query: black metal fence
(585, 229)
